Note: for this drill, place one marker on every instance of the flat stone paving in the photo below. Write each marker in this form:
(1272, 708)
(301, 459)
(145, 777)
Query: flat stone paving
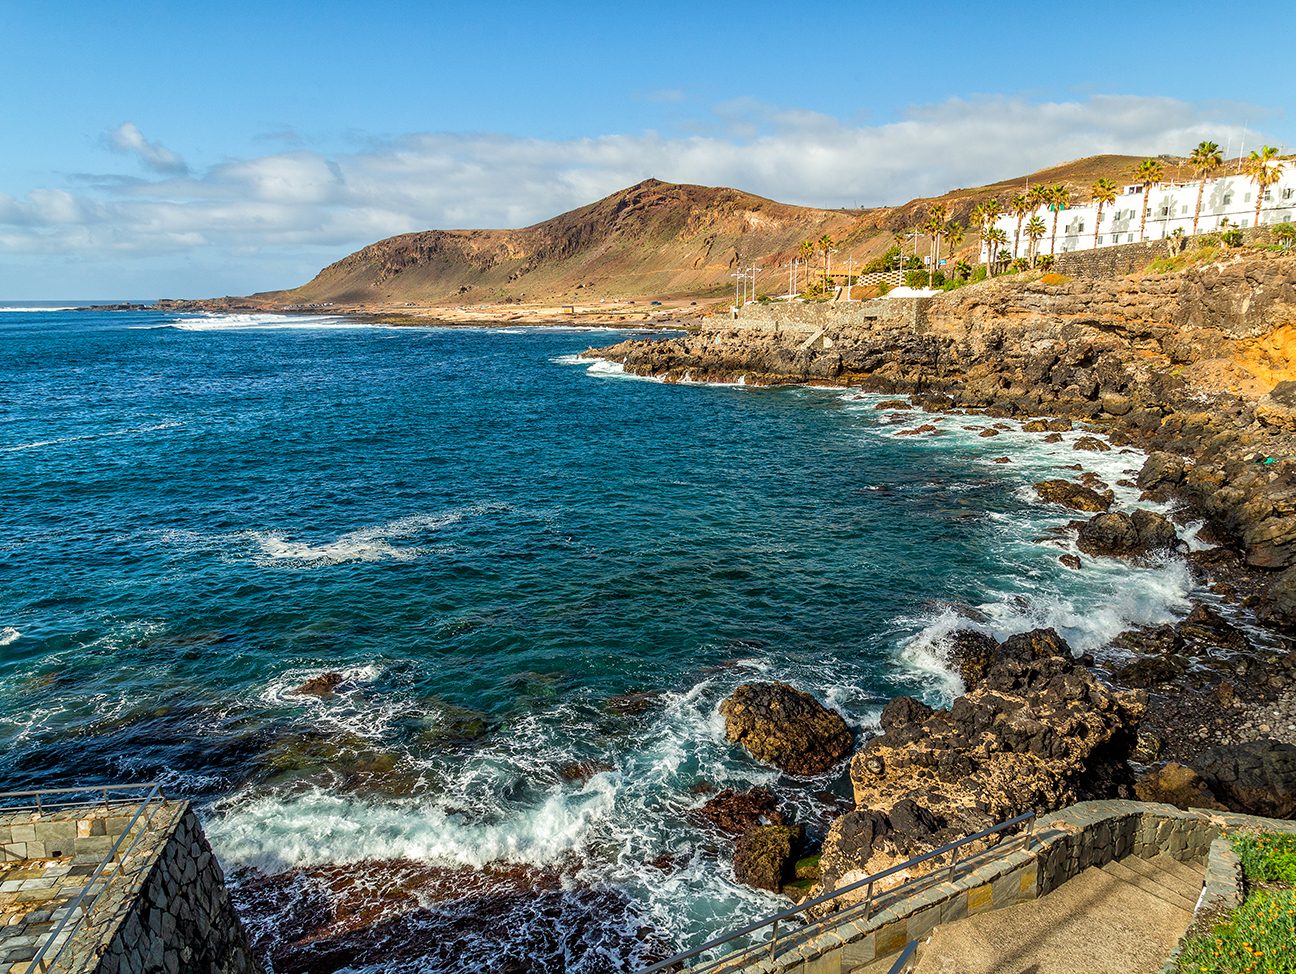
(45, 862)
(1103, 921)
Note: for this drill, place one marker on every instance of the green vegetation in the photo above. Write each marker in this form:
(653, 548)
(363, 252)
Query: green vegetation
(1264, 169)
(1285, 234)
(1149, 172)
(1259, 937)
(1205, 161)
(1104, 194)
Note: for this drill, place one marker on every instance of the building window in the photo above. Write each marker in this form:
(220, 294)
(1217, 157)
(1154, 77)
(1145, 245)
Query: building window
(1100, 241)
(1130, 238)
(1228, 199)
(1246, 198)
(1287, 193)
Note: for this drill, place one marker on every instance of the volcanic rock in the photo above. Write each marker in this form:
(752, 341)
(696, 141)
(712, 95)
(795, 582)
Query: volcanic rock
(1176, 784)
(736, 812)
(1255, 777)
(1074, 496)
(1127, 535)
(783, 726)
(765, 857)
(322, 685)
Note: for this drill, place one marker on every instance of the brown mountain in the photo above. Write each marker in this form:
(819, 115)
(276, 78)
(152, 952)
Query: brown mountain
(653, 240)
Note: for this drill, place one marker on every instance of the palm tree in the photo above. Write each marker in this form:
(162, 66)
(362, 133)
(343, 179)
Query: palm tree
(952, 234)
(826, 245)
(1264, 169)
(996, 238)
(984, 216)
(1035, 231)
(1059, 198)
(1149, 173)
(1104, 193)
(1205, 159)
(1021, 207)
(935, 223)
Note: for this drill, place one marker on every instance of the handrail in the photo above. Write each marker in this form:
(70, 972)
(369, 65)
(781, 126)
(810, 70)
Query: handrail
(75, 913)
(902, 962)
(868, 882)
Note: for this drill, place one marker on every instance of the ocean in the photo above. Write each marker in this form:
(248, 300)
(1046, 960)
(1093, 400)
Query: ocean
(537, 578)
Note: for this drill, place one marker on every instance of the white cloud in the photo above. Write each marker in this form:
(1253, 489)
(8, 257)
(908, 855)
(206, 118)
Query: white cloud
(127, 138)
(256, 216)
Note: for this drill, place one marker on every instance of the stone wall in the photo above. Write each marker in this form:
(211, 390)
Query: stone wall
(1063, 845)
(813, 317)
(1122, 259)
(181, 919)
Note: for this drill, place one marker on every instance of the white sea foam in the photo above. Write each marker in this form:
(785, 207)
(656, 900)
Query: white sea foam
(262, 322)
(9, 635)
(85, 437)
(12, 310)
(373, 543)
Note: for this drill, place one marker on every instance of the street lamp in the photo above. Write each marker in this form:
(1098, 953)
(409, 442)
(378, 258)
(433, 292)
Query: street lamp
(753, 270)
(792, 269)
(738, 277)
(850, 266)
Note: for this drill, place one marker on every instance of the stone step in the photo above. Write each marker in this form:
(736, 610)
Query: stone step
(1184, 878)
(1152, 886)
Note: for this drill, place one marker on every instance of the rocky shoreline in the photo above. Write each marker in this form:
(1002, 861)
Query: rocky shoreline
(1196, 369)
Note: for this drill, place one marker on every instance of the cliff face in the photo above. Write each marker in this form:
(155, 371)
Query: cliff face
(1188, 363)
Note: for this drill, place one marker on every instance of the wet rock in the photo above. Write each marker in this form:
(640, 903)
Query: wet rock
(1176, 784)
(1002, 460)
(1090, 444)
(893, 404)
(1123, 535)
(1255, 777)
(582, 771)
(971, 653)
(988, 432)
(1204, 630)
(630, 704)
(1038, 731)
(1071, 561)
(903, 712)
(1075, 496)
(923, 430)
(1161, 469)
(322, 685)
(783, 726)
(764, 857)
(1047, 426)
(1279, 599)
(1053, 438)
(736, 812)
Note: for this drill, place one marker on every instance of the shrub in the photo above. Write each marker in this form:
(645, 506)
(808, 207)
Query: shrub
(1233, 237)
(1054, 278)
(1044, 262)
(1020, 264)
(1284, 233)
(882, 288)
(980, 274)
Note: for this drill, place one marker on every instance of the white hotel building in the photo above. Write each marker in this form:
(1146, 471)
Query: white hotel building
(1171, 206)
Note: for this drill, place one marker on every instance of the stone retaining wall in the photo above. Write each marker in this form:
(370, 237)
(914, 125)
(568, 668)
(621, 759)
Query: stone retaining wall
(1063, 845)
(812, 317)
(181, 918)
(1122, 259)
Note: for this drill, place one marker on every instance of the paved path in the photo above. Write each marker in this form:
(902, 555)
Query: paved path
(1124, 918)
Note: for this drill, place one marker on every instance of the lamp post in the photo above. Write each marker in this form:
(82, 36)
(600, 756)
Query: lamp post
(753, 270)
(738, 276)
(792, 269)
(850, 267)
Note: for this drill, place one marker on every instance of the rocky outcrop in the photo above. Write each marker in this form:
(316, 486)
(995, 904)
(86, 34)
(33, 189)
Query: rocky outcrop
(1178, 785)
(735, 812)
(1123, 535)
(1037, 731)
(783, 726)
(1256, 777)
(1075, 496)
(765, 857)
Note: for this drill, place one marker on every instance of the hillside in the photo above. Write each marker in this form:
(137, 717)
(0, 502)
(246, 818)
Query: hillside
(654, 240)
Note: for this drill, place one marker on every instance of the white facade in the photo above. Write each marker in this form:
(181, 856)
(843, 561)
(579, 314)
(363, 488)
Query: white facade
(1170, 207)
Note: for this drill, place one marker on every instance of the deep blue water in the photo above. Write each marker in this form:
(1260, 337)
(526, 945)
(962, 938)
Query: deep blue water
(489, 542)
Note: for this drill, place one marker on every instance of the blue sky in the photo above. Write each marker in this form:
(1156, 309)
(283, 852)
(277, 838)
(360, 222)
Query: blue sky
(193, 149)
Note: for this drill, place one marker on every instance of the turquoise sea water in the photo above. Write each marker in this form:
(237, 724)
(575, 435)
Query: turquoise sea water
(490, 542)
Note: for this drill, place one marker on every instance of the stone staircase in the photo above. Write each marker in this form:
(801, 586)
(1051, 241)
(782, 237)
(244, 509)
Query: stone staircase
(1120, 918)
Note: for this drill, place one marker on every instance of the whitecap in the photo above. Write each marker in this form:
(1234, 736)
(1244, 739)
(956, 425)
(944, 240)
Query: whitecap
(368, 544)
(9, 635)
(263, 321)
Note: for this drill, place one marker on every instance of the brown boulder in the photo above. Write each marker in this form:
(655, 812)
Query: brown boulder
(1123, 535)
(765, 857)
(1075, 496)
(1178, 785)
(783, 726)
(322, 685)
(736, 812)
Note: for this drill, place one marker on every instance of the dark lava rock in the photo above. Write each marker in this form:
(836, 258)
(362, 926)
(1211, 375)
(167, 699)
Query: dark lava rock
(736, 812)
(322, 685)
(1176, 784)
(988, 432)
(783, 726)
(1075, 496)
(1036, 644)
(971, 653)
(629, 704)
(1048, 426)
(1071, 561)
(765, 857)
(903, 712)
(1127, 535)
(1256, 777)
(582, 771)
(1279, 599)
(893, 404)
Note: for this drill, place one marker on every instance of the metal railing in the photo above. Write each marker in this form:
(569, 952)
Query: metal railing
(810, 928)
(110, 867)
(905, 961)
